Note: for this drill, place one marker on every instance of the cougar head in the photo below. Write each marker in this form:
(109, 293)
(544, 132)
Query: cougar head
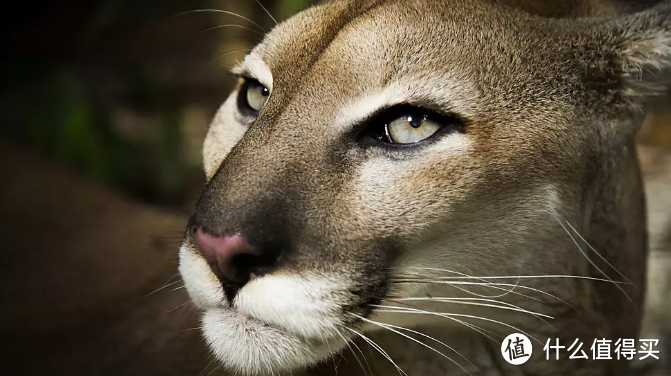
(373, 150)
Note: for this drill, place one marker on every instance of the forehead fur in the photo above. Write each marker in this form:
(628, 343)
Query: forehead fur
(505, 63)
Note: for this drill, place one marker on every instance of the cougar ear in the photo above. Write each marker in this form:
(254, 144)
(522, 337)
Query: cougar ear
(639, 48)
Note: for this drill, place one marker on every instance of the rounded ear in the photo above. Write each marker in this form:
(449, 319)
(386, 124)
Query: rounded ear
(639, 49)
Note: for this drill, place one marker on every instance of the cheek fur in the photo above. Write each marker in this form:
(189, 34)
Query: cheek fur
(224, 133)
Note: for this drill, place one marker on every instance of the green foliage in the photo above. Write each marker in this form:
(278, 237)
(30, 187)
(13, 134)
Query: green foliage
(54, 107)
(56, 113)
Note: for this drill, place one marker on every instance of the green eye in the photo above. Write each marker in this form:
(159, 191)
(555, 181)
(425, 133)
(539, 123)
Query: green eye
(409, 129)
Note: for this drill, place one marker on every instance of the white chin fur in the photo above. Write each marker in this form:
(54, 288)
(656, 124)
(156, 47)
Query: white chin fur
(304, 306)
(247, 346)
(276, 322)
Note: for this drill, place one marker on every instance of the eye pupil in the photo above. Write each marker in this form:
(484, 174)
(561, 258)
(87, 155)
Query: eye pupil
(253, 96)
(415, 122)
(406, 124)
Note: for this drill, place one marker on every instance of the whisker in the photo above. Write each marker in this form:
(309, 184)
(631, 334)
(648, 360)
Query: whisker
(363, 356)
(595, 251)
(161, 288)
(379, 349)
(511, 307)
(497, 284)
(393, 327)
(183, 330)
(444, 314)
(511, 290)
(484, 332)
(455, 283)
(216, 368)
(267, 12)
(221, 11)
(590, 260)
(219, 57)
(179, 306)
(335, 366)
(527, 277)
(228, 25)
(354, 354)
(213, 359)
(499, 304)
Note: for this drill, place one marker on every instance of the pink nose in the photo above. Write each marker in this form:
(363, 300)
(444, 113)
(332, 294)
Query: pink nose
(231, 258)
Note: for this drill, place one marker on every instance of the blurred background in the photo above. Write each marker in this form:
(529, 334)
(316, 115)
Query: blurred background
(123, 91)
(104, 105)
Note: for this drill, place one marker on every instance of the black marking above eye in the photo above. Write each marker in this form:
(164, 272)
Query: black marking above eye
(407, 125)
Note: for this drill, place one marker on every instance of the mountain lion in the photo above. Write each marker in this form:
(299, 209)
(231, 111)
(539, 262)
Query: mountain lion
(444, 173)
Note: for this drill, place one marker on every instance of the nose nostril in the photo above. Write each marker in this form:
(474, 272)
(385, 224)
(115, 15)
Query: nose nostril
(244, 262)
(232, 259)
(250, 265)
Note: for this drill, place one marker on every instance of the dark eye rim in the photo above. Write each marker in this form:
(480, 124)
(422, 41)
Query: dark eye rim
(242, 103)
(367, 132)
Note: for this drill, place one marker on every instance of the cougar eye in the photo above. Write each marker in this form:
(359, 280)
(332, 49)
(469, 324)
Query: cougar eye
(406, 125)
(253, 95)
(411, 128)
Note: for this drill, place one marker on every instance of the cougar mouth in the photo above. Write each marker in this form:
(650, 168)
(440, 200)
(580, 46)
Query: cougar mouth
(276, 322)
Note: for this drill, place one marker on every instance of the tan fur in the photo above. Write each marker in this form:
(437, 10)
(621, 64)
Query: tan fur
(552, 100)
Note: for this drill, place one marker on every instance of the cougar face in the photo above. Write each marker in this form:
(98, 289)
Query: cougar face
(377, 156)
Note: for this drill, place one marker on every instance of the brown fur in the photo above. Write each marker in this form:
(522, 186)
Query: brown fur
(552, 104)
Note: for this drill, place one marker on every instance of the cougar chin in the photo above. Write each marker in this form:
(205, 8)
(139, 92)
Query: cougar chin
(275, 323)
(252, 346)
